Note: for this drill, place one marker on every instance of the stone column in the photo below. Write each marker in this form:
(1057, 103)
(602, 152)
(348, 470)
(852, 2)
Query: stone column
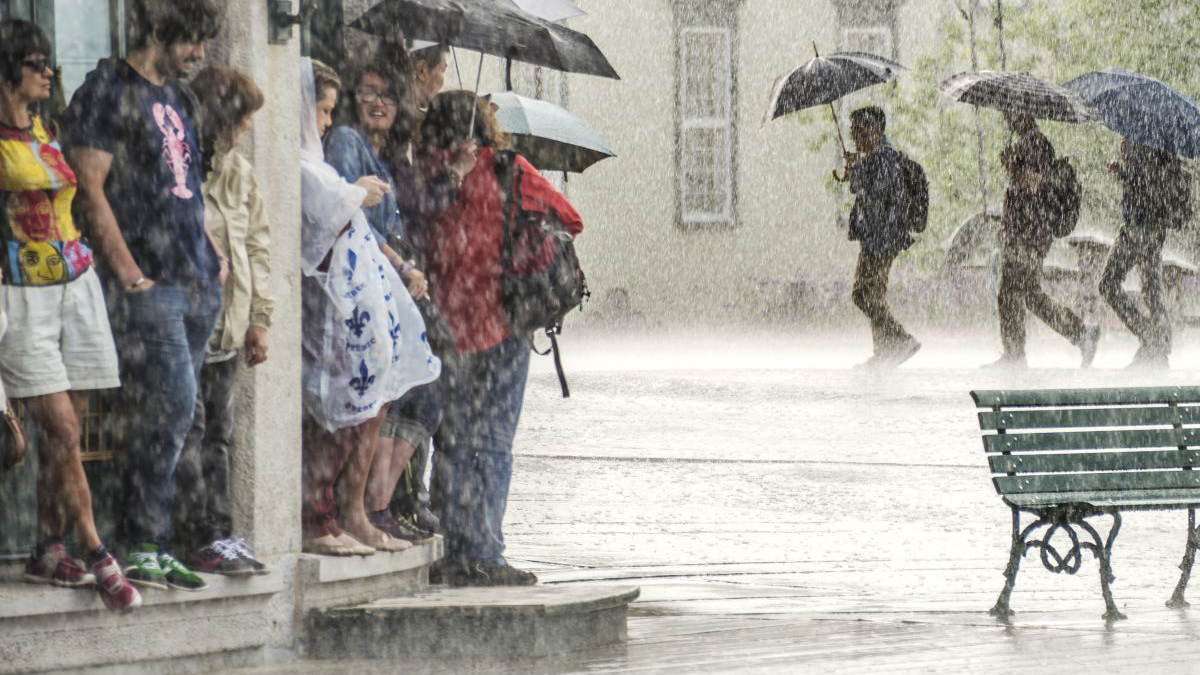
(266, 457)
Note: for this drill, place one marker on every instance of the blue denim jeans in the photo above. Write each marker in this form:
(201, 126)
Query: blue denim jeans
(472, 467)
(160, 337)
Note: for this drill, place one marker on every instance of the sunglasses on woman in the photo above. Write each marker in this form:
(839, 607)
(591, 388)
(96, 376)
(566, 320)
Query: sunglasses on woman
(37, 65)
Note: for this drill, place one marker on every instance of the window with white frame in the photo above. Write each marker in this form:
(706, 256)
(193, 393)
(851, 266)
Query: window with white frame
(706, 85)
(871, 39)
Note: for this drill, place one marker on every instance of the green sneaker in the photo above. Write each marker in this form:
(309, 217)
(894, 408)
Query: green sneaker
(178, 576)
(142, 568)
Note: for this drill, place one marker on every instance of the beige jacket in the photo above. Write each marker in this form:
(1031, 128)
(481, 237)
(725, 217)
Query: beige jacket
(233, 213)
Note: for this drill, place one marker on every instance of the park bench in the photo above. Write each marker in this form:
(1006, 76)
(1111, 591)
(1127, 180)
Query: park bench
(1068, 456)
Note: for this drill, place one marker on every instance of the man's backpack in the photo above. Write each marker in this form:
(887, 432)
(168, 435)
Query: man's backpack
(1179, 199)
(916, 191)
(541, 280)
(1062, 197)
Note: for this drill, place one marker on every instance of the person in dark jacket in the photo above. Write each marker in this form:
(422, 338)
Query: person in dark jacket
(877, 223)
(1156, 198)
(1026, 239)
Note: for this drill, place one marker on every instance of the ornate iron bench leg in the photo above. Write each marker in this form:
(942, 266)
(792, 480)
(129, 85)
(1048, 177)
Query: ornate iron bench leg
(1104, 554)
(1001, 609)
(1189, 556)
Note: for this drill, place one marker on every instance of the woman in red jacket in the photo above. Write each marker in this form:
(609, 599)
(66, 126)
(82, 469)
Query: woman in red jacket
(485, 382)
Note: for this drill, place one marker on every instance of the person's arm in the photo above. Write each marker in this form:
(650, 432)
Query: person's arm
(91, 168)
(258, 250)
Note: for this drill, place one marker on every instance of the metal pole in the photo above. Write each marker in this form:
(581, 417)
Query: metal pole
(475, 108)
(454, 53)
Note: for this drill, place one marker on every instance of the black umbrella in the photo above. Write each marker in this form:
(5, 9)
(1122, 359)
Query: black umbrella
(491, 28)
(826, 79)
(1019, 93)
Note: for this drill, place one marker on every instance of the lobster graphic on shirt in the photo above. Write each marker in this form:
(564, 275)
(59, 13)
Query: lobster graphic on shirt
(175, 147)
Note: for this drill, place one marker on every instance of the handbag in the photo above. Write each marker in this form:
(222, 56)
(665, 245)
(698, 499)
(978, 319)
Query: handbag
(12, 440)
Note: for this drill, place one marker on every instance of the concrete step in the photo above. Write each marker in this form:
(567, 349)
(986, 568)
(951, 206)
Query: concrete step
(524, 622)
(236, 622)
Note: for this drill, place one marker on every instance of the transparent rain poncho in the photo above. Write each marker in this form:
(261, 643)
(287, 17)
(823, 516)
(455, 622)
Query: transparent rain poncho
(363, 340)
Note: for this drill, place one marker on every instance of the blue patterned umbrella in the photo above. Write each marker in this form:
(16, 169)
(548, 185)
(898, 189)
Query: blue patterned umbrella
(1142, 109)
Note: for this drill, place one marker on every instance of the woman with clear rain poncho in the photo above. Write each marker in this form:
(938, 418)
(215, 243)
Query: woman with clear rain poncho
(363, 339)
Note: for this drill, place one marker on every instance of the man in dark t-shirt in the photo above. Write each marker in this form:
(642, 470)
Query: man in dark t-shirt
(131, 138)
(1026, 239)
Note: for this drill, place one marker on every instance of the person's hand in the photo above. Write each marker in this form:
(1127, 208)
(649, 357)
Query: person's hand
(414, 280)
(255, 345)
(463, 157)
(850, 157)
(375, 188)
(224, 273)
(1114, 168)
(140, 287)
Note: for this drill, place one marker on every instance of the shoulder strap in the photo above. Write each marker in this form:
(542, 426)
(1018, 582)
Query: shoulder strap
(509, 178)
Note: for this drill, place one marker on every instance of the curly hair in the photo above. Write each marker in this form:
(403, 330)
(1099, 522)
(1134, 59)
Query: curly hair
(18, 40)
(173, 21)
(226, 98)
(449, 117)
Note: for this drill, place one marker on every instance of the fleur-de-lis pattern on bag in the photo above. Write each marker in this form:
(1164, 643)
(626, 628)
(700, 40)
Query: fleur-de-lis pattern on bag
(351, 264)
(364, 380)
(357, 323)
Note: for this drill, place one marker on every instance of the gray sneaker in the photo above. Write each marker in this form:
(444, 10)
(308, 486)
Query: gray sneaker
(1088, 342)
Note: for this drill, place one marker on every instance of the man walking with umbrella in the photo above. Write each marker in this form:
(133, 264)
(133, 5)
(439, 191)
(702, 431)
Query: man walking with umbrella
(1027, 237)
(877, 222)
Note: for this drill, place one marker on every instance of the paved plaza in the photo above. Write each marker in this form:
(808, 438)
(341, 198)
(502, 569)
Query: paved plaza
(784, 513)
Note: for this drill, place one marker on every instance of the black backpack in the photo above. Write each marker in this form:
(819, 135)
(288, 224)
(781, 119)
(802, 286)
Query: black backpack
(541, 280)
(1062, 197)
(1179, 199)
(916, 191)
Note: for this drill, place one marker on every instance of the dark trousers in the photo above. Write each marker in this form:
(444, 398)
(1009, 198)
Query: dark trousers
(870, 295)
(1142, 248)
(203, 510)
(1021, 290)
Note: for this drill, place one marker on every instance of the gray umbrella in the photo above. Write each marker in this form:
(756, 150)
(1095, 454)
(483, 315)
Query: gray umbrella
(550, 10)
(1019, 93)
(826, 79)
(551, 138)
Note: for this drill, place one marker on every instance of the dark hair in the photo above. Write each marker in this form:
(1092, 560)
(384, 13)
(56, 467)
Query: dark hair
(430, 56)
(449, 117)
(226, 98)
(324, 78)
(871, 116)
(18, 40)
(172, 21)
(391, 63)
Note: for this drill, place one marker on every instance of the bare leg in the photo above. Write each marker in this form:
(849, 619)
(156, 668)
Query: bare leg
(362, 442)
(393, 457)
(63, 497)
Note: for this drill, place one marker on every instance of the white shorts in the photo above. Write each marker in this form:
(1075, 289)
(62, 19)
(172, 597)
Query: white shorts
(58, 339)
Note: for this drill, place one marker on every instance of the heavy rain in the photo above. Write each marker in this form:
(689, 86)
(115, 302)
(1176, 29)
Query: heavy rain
(598, 336)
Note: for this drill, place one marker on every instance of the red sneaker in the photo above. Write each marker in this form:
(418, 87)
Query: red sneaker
(115, 590)
(56, 567)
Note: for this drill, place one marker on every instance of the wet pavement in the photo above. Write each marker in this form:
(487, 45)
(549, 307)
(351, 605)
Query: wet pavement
(784, 513)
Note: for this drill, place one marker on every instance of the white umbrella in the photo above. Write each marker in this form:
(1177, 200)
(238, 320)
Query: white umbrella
(550, 10)
(551, 138)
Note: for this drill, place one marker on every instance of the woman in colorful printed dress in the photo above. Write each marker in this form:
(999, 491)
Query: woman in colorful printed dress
(58, 346)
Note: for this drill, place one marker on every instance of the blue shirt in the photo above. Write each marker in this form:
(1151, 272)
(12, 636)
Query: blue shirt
(348, 150)
(153, 185)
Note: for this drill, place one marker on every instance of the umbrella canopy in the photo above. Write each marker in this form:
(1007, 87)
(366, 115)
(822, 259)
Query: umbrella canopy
(1142, 109)
(825, 79)
(491, 28)
(551, 138)
(550, 10)
(1019, 93)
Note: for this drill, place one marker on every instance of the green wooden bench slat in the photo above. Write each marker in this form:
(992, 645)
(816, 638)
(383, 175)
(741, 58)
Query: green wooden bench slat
(1094, 461)
(1094, 482)
(1066, 397)
(1126, 500)
(1089, 417)
(1091, 440)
